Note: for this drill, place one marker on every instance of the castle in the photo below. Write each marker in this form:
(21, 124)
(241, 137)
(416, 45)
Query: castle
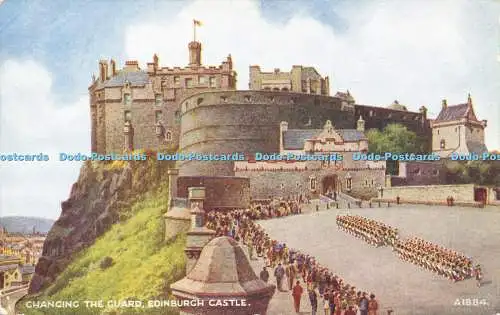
(197, 109)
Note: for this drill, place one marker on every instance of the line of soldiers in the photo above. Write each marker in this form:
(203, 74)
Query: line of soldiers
(373, 232)
(289, 263)
(443, 261)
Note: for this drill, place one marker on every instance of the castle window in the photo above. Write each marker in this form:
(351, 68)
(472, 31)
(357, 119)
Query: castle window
(211, 81)
(312, 183)
(276, 89)
(442, 144)
(284, 89)
(158, 100)
(177, 80)
(435, 172)
(371, 113)
(199, 101)
(416, 117)
(177, 116)
(282, 186)
(416, 171)
(438, 131)
(189, 82)
(294, 100)
(223, 99)
(127, 99)
(128, 115)
(168, 135)
(248, 98)
(267, 88)
(202, 80)
(271, 99)
(157, 116)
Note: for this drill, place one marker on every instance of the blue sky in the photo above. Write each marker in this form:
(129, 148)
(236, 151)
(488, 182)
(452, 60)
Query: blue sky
(417, 52)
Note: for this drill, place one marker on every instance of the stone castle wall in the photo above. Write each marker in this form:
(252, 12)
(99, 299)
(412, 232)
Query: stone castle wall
(248, 122)
(439, 193)
(284, 183)
(380, 117)
(221, 192)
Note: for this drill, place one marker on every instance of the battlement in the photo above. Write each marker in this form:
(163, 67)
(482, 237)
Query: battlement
(262, 97)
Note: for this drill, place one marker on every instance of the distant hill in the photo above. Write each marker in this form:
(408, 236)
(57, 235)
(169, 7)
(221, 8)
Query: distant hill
(16, 224)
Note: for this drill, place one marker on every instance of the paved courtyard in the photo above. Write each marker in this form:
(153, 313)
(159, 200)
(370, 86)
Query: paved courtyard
(399, 285)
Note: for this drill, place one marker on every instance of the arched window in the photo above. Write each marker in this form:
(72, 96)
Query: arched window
(442, 144)
(284, 89)
(168, 135)
(276, 89)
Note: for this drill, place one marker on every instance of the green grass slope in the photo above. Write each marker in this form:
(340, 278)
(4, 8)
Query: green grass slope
(142, 266)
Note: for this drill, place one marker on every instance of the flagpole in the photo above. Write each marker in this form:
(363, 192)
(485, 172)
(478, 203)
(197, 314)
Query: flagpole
(194, 30)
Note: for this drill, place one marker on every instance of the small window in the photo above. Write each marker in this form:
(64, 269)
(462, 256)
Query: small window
(177, 115)
(157, 116)
(199, 101)
(435, 172)
(248, 98)
(177, 80)
(127, 99)
(371, 113)
(438, 131)
(223, 99)
(442, 144)
(202, 80)
(128, 115)
(212, 82)
(282, 186)
(416, 171)
(158, 100)
(168, 135)
(189, 82)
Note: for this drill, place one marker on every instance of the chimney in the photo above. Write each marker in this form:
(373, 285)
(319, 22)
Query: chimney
(103, 70)
(113, 67)
(444, 103)
(132, 66)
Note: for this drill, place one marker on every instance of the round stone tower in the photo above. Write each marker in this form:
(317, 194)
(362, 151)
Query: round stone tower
(194, 54)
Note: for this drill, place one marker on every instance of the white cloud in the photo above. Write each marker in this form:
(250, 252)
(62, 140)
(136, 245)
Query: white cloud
(32, 122)
(416, 54)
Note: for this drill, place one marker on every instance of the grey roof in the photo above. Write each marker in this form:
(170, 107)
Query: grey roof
(476, 147)
(310, 72)
(27, 269)
(456, 112)
(133, 77)
(293, 139)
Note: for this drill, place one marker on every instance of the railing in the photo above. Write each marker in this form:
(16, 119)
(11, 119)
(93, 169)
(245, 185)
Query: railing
(12, 290)
(348, 198)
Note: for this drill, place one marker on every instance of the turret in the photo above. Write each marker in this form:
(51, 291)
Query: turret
(194, 54)
(361, 124)
(444, 103)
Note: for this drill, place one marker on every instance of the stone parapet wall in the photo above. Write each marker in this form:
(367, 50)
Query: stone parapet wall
(439, 193)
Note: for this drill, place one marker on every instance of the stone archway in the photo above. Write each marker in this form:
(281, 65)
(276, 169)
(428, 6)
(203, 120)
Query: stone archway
(329, 185)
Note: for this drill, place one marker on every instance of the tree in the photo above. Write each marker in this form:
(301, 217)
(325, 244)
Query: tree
(395, 138)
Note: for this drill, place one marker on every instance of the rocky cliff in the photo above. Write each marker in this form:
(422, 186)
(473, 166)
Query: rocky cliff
(100, 198)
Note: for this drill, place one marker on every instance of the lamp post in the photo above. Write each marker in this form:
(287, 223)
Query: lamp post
(380, 191)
